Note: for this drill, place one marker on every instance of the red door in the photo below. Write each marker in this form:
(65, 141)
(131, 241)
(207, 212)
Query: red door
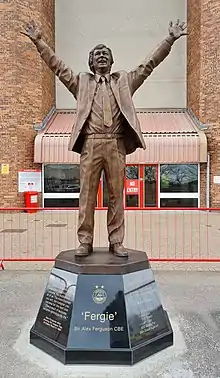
(141, 187)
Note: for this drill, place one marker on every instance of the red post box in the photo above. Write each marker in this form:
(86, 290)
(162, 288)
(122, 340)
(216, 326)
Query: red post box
(31, 200)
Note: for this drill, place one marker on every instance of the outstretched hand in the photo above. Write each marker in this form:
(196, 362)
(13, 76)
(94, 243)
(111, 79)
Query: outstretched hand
(177, 30)
(32, 31)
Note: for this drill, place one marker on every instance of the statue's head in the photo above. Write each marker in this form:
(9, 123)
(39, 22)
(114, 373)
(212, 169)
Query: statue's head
(100, 59)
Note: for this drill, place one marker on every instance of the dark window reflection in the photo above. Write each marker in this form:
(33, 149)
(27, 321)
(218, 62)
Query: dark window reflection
(105, 192)
(132, 173)
(132, 201)
(150, 194)
(61, 178)
(179, 202)
(179, 178)
(61, 202)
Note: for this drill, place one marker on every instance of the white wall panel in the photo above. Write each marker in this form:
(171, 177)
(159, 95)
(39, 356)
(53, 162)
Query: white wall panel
(132, 29)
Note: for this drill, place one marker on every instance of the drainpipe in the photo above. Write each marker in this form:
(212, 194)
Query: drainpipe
(208, 182)
(43, 124)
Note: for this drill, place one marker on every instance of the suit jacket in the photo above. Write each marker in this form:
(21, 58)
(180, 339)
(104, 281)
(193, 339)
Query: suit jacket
(123, 85)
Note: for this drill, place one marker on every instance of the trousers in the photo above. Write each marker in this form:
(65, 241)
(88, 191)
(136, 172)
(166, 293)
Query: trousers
(108, 155)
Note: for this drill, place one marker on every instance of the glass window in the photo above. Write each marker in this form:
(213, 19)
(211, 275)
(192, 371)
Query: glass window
(132, 173)
(61, 202)
(150, 194)
(61, 178)
(179, 202)
(179, 185)
(105, 192)
(179, 178)
(131, 200)
(61, 185)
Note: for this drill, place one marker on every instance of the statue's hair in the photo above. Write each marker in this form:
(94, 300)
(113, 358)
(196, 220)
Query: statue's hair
(97, 47)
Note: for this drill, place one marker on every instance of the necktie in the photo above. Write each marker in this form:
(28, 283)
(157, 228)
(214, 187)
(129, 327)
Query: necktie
(107, 112)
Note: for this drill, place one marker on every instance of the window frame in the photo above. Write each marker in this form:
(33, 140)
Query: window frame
(141, 200)
(58, 195)
(168, 195)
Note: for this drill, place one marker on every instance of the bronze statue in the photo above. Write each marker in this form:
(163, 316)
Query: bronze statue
(105, 130)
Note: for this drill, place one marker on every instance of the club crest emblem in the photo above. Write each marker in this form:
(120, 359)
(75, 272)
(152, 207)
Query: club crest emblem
(99, 295)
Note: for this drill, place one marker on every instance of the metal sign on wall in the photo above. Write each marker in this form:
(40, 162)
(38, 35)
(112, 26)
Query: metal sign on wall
(4, 169)
(216, 180)
(132, 187)
(29, 180)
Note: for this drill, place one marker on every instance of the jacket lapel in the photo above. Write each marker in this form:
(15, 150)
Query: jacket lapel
(91, 90)
(115, 90)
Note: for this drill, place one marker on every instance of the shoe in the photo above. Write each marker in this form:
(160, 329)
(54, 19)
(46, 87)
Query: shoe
(118, 249)
(83, 249)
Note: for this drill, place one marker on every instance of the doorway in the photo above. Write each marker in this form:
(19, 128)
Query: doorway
(141, 187)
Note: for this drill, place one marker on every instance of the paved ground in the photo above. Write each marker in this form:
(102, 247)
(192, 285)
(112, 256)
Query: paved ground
(162, 234)
(191, 299)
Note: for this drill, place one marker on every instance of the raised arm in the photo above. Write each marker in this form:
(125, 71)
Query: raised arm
(64, 73)
(139, 75)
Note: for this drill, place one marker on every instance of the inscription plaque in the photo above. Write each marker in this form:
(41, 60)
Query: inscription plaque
(144, 310)
(55, 312)
(100, 318)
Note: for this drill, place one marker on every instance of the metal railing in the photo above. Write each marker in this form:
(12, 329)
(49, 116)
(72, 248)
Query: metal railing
(165, 234)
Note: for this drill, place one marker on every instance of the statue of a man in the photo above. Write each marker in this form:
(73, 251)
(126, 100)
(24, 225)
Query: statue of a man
(105, 130)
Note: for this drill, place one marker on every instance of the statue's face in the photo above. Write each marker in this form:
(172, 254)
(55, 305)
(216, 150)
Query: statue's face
(102, 60)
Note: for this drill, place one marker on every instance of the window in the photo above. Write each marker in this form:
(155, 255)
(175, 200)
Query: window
(61, 185)
(132, 173)
(61, 202)
(179, 185)
(105, 191)
(179, 178)
(150, 191)
(140, 187)
(179, 202)
(61, 178)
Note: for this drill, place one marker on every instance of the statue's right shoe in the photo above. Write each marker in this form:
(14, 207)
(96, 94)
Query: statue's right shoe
(83, 250)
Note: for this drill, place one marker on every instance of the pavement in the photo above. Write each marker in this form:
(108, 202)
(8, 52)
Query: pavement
(191, 299)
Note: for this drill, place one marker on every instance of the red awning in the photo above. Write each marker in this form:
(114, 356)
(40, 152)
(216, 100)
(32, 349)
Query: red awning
(170, 137)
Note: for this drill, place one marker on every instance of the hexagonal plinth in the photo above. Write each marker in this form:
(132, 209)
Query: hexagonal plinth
(101, 261)
(101, 309)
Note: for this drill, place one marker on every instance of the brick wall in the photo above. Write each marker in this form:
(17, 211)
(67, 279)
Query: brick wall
(27, 89)
(204, 78)
(203, 184)
(27, 86)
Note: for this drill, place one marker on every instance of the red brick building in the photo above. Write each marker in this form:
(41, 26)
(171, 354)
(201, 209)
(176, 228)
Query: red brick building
(181, 166)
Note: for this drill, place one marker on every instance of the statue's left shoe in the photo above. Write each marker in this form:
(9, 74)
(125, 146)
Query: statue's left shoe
(118, 249)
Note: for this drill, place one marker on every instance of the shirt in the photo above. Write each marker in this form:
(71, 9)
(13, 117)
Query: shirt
(95, 121)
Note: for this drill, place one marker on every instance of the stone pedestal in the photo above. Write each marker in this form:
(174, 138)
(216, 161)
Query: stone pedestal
(101, 310)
